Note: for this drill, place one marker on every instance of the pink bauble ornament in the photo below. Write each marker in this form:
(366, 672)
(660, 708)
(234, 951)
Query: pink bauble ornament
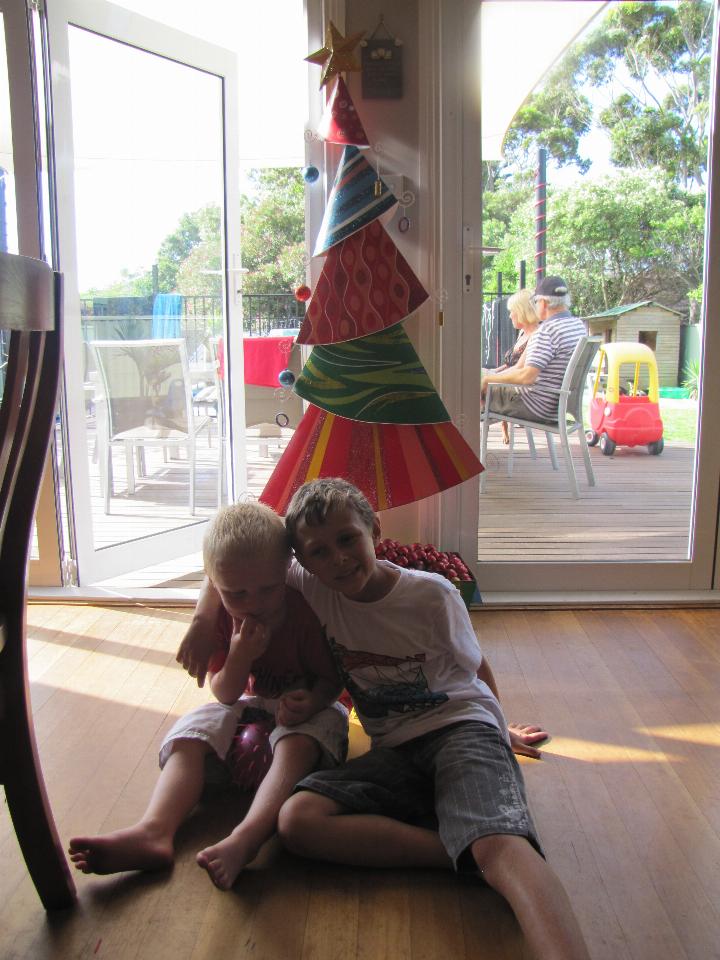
(250, 755)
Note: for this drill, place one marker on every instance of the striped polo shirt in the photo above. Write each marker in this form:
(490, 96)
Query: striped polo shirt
(550, 351)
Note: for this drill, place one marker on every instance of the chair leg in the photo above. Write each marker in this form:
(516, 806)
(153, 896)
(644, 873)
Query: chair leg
(569, 465)
(191, 466)
(531, 443)
(551, 451)
(129, 468)
(29, 808)
(511, 449)
(586, 457)
(483, 451)
(108, 478)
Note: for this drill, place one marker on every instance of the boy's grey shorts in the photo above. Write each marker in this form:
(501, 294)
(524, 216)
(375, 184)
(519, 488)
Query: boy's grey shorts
(216, 724)
(465, 774)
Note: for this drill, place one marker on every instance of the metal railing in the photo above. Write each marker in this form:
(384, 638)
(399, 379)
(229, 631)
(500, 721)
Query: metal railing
(200, 317)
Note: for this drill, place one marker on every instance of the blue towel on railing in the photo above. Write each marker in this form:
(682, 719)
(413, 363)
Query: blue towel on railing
(167, 310)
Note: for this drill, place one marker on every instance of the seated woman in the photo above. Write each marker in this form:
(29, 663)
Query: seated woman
(524, 319)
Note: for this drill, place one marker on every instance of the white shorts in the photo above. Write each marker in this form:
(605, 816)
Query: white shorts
(216, 724)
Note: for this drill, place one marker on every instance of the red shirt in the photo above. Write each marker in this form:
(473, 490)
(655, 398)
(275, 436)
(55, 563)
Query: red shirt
(298, 653)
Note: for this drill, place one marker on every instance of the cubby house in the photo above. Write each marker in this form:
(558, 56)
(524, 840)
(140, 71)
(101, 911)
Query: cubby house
(648, 322)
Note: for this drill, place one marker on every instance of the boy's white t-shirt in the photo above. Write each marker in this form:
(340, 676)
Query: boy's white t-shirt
(409, 660)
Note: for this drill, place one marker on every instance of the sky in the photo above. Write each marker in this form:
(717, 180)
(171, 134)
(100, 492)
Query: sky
(147, 131)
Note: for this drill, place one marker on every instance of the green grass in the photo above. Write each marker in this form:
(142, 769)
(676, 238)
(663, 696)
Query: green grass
(679, 422)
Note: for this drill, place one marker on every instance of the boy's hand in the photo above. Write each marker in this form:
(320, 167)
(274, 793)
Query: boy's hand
(523, 736)
(250, 635)
(296, 706)
(197, 647)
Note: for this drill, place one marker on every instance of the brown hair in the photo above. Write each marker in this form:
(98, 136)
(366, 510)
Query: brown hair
(314, 500)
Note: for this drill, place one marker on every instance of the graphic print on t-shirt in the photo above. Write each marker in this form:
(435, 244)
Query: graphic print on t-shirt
(389, 684)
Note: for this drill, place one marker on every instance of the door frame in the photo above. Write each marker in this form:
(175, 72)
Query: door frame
(455, 97)
(127, 27)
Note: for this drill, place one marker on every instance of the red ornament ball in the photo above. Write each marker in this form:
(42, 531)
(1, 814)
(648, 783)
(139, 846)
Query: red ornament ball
(303, 293)
(250, 755)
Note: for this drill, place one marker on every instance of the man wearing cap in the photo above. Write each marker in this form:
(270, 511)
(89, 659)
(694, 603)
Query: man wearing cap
(531, 392)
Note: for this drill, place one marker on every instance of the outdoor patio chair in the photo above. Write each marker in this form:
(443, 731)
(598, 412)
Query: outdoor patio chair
(145, 400)
(570, 418)
(30, 308)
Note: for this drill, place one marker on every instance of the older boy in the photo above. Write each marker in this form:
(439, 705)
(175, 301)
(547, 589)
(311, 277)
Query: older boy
(273, 658)
(405, 645)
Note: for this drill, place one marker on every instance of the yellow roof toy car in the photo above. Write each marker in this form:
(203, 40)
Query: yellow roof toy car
(620, 416)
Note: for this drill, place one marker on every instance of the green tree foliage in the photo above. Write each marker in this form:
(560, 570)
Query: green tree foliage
(189, 259)
(658, 57)
(624, 238)
(273, 238)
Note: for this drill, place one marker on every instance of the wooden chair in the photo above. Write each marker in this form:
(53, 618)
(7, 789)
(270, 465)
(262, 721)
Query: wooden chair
(570, 418)
(30, 308)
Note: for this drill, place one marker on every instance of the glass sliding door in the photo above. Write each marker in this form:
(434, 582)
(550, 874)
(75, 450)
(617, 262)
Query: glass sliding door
(630, 223)
(148, 207)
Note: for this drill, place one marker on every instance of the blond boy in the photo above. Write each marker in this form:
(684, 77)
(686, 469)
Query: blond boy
(270, 656)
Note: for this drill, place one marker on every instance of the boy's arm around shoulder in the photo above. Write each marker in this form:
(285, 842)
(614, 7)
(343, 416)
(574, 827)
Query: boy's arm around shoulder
(200, 640)
(523, 736)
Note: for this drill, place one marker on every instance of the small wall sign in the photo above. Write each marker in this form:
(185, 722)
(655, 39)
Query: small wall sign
(381, 60)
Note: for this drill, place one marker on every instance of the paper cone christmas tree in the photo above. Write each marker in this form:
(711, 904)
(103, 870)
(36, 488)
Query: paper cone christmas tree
(375, 417)
(340, 121)
(391, 464)
(357, 198)
(378, 379)
(366, 285)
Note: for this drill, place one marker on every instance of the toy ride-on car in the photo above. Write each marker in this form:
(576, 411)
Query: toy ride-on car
(627, 418)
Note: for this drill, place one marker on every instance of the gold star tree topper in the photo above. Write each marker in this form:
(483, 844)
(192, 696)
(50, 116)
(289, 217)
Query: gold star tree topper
(337, 54)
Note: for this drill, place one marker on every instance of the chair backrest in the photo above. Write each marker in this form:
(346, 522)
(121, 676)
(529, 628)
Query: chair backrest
(218, 361)
(576, 375)
(30, 301)
(147, 387)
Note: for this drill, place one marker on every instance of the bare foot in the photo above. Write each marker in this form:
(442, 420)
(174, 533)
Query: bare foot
(134, 848)
(226, 859)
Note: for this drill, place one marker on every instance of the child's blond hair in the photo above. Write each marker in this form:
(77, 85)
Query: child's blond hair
(314, 500)
(245, 530)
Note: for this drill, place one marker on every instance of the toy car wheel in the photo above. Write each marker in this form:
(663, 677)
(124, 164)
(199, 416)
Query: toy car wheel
(591, 437)
(656, 447)
(607, 446)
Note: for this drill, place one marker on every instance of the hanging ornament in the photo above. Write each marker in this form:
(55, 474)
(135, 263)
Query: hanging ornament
(337, 55)
(303, 293)
(286, 378)
(310, 174)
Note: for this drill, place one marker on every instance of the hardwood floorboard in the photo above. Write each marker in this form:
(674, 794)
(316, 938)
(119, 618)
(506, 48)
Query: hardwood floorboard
(625, 801)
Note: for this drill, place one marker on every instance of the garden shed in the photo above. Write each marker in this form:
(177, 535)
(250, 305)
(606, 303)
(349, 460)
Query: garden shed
(645, 322)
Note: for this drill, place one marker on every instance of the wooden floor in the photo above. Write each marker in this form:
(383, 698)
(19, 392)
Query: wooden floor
(627, 802)
(639, 509)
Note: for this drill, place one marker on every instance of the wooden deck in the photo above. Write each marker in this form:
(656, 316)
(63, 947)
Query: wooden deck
(639, 509)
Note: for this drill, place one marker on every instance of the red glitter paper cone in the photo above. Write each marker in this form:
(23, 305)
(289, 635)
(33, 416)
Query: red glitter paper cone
(340, 120)
(366, 285)
(391, 464)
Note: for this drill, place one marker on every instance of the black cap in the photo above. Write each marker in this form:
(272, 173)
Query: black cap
(551, 287)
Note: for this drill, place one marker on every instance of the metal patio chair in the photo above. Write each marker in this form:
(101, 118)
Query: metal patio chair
(145, 400)
(570, 418)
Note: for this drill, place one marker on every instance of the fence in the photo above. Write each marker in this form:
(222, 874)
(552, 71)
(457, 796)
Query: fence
(201, 317)
(497, 332)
